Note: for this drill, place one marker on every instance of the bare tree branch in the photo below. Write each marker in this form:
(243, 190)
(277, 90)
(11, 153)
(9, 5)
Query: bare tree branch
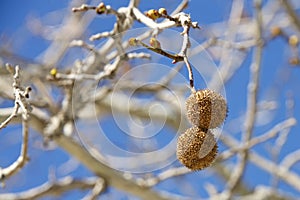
(251, 102)
(56, 188)
(21, 94)
(292, 14)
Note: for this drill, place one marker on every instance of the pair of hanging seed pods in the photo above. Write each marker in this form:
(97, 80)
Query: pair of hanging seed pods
(197, 147)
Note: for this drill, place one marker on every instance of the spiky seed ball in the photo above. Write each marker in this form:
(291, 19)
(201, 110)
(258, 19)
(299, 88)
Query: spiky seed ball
(206, 109)
(196, 149)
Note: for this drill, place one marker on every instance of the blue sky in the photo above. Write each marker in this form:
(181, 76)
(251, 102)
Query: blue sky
(278, 81)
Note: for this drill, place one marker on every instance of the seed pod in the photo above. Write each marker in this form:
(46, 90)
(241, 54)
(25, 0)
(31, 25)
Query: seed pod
(206, 109)
(196, 149)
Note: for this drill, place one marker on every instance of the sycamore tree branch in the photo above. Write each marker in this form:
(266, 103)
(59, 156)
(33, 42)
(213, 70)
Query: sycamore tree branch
(111, 176)
(286, 124)
(251, 104)
(295, 19)
(289, 177)
(21, 95)
(55, 188)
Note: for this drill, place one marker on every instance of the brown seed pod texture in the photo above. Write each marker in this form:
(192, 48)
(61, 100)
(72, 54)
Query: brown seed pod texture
(196, 149)
(206, 109)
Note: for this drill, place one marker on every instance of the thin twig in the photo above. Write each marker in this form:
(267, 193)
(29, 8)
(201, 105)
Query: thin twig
(291, 12)
(291, 159)
(175, 58)
(55, 188)
(21, 95)
(269, 166)
(180, 7)
(191, 77)
(186, 23)
(229, 61)
(108, 71)
(286, 124)
(281, 140)
(99, 187)
(13, 114)
(170, 173)
(251, 104)
(150, 23)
